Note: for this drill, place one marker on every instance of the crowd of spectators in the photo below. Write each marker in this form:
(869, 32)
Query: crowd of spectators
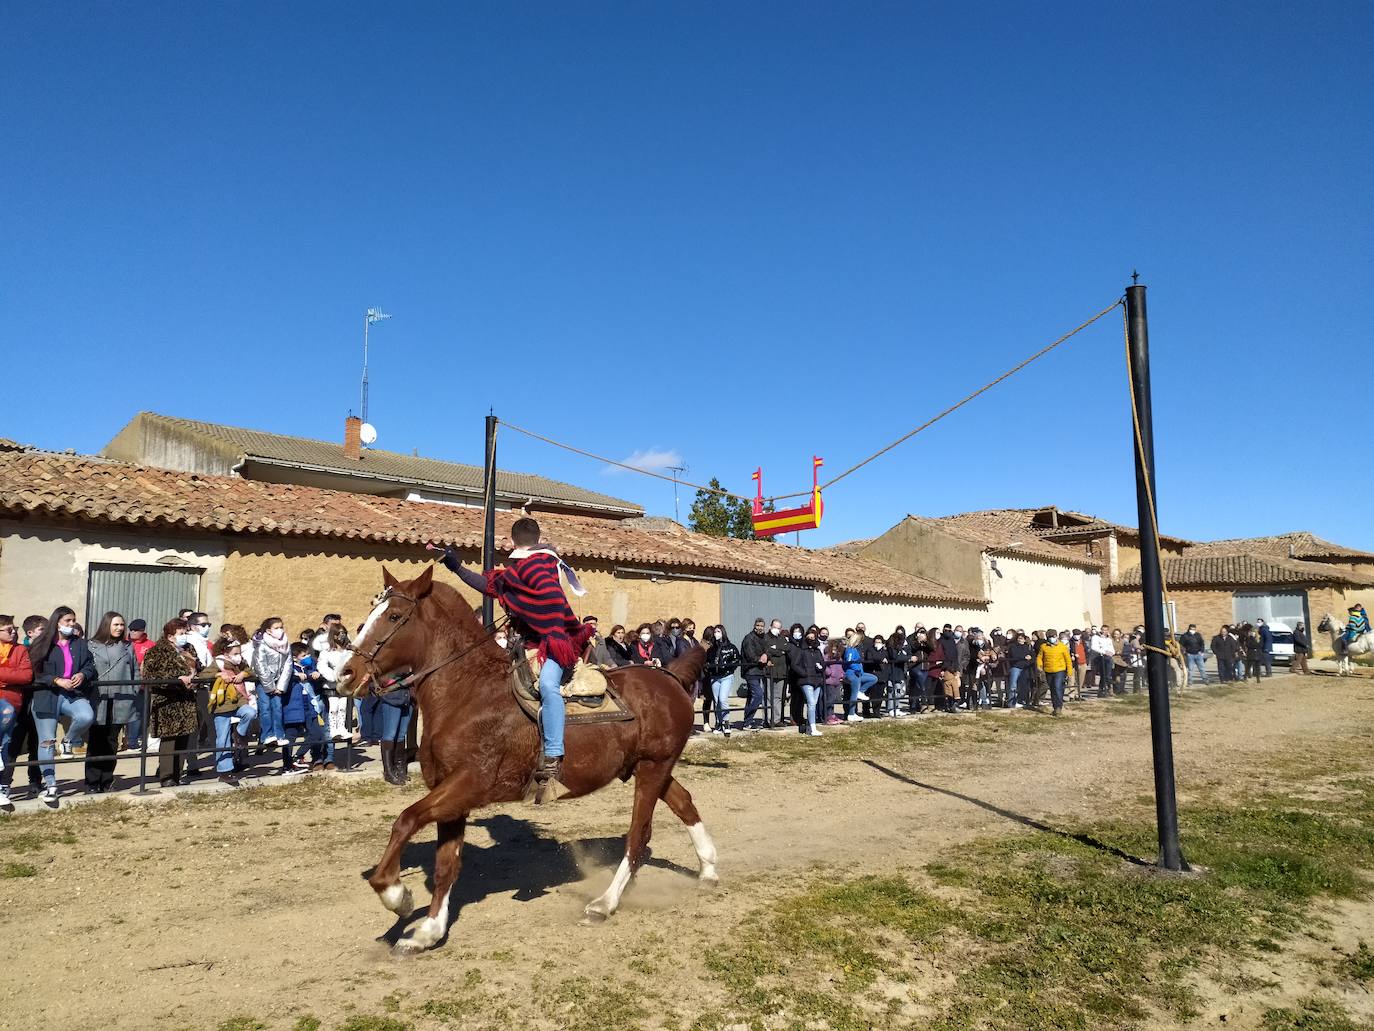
(215, 705)
(803, 677)
(222, 704)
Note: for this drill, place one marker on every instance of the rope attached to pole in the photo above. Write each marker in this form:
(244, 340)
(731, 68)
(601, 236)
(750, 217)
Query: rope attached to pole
(956, 406)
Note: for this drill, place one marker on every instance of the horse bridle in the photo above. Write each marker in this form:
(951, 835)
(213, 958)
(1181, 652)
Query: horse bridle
(412, 679)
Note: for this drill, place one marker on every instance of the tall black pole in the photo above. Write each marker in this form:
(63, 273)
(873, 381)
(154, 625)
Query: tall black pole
(1151, 585)
(489, 517)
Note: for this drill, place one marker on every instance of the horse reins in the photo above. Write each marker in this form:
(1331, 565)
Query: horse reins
(412, 679)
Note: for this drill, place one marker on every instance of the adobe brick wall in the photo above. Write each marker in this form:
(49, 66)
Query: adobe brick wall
(1208, 609)
(301, 580)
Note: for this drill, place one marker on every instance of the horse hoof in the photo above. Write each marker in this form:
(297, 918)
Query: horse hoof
(708, 882)
(406, 947)
(398, 899)
(591, 917)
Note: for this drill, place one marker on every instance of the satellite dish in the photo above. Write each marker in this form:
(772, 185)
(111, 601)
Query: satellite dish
(368, 434)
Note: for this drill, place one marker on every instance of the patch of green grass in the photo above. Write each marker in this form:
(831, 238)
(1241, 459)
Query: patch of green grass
(1359, 964)
(10, 868)
(1311, 1014)
(583, 1004)
(241, 1024)
(369, 1023)
(306, 1023)
(1050, 930)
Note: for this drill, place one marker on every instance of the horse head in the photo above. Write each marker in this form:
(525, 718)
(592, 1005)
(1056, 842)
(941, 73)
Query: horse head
(410, 620)
(393, 641)
(1327, 625)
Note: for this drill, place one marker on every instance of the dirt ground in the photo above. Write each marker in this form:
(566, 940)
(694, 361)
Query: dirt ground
(188, 913)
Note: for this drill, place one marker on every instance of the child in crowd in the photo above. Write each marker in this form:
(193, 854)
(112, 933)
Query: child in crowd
(230, 705)
(300, 712)
(272, 664)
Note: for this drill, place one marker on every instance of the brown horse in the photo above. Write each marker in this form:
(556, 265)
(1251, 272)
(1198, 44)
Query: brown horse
(480, 748)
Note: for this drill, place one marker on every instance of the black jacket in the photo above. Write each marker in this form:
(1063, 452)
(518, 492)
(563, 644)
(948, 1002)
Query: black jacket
(1192, 643)
(1225, 648)
(43, 702)
(751, 652)
(806, 664)
(619, 653)
(900, 657)
(777, 652)
(1019, 655)
(1301, 645)
(722, 659)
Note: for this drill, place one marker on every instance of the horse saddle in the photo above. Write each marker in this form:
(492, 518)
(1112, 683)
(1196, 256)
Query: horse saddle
(589, 695)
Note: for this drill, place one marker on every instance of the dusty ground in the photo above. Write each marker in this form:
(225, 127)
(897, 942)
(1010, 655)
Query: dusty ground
(192, 912)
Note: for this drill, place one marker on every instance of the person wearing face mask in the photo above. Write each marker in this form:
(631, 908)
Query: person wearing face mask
(644, 650)
(1018, 661)
(62, 673)
(331, 660)
(918, 671)
(172, 702)
(722, 659)
(1054, 661)
(953, 663)
(880, 665)
(794, 703)
(115, 702)
(272, 668)
(776, 689)
(753, 650)
(806, 667)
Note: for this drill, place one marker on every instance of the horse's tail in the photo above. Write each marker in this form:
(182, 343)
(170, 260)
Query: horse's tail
(686, 668)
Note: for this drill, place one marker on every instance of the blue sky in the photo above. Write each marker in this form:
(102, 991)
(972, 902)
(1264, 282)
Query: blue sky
(741, 233)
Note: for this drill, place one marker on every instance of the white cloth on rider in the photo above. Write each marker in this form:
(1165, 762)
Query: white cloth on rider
(574, 584)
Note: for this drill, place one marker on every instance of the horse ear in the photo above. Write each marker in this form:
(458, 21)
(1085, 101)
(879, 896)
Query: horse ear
(387, 579)
(423, 582)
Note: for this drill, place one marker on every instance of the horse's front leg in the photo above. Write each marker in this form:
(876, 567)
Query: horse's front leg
(448, 801)
(448, 860)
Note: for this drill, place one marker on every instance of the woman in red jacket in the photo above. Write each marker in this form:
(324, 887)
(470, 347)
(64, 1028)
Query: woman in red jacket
(15, 674)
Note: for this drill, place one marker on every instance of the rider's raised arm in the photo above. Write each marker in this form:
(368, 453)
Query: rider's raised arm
(473, 579)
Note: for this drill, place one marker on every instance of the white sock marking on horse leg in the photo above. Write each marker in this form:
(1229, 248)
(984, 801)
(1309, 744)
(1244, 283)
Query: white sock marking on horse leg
(396, 897)
(432, 928)
(610, 901)
(706, 850)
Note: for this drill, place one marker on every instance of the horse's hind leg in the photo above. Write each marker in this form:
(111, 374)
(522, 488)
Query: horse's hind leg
(446, 802)
(680, 801)
(649, 780)
(448, 861)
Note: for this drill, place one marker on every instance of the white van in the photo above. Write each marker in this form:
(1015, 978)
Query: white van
(1283, 642)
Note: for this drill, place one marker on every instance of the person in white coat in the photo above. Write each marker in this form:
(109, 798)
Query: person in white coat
(333, 655)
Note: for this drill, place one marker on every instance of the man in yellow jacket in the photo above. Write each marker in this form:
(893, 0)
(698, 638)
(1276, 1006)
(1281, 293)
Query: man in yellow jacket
(1054, 661)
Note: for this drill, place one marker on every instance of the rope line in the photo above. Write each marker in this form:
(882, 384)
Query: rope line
(1149, 489)
(622, 465)
(853, 468)
(954, 407)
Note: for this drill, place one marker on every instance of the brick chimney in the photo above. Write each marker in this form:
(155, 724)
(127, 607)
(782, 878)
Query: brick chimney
(353, 438)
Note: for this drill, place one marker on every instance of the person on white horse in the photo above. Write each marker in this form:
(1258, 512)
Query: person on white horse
(1357, 625)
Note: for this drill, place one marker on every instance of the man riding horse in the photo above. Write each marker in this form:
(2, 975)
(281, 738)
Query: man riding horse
(531, 593)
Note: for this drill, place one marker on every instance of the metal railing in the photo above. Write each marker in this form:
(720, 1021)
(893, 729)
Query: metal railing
(212, 751)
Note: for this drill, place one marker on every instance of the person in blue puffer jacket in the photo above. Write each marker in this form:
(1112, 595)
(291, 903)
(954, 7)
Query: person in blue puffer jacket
(859, 681)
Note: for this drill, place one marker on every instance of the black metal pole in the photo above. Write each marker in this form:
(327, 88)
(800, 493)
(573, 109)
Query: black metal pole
(1151, 584)
(145, 701)
(489, 518)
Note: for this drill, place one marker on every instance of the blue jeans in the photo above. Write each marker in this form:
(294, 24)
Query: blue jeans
(755, 702)
(1197, 667)
(1056, 682)
(367, 718)
(1013, 685)
(859, 683)
(6, 729)
(76, 709)
(133, 730)
(813, 703)
(269, 717)
(553, 708)
(224, 736)
(393, 721)
(919, 678)
(720, 692)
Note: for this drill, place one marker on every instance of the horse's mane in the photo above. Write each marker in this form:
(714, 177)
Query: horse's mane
(461, 624)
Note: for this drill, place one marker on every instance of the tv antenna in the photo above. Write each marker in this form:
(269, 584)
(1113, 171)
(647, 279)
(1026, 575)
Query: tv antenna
(676, 470)
(372, 315)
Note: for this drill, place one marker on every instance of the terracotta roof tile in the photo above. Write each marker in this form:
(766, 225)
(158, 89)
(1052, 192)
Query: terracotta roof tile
(115, 492)
(1242, 571)
(1299, 545)
(404, 470)
(1008, 531)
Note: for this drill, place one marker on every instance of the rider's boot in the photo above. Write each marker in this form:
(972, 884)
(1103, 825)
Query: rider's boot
(548, 784)
(388, 749)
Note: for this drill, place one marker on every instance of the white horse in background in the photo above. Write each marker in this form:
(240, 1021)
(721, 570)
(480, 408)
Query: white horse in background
(1345, 650)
